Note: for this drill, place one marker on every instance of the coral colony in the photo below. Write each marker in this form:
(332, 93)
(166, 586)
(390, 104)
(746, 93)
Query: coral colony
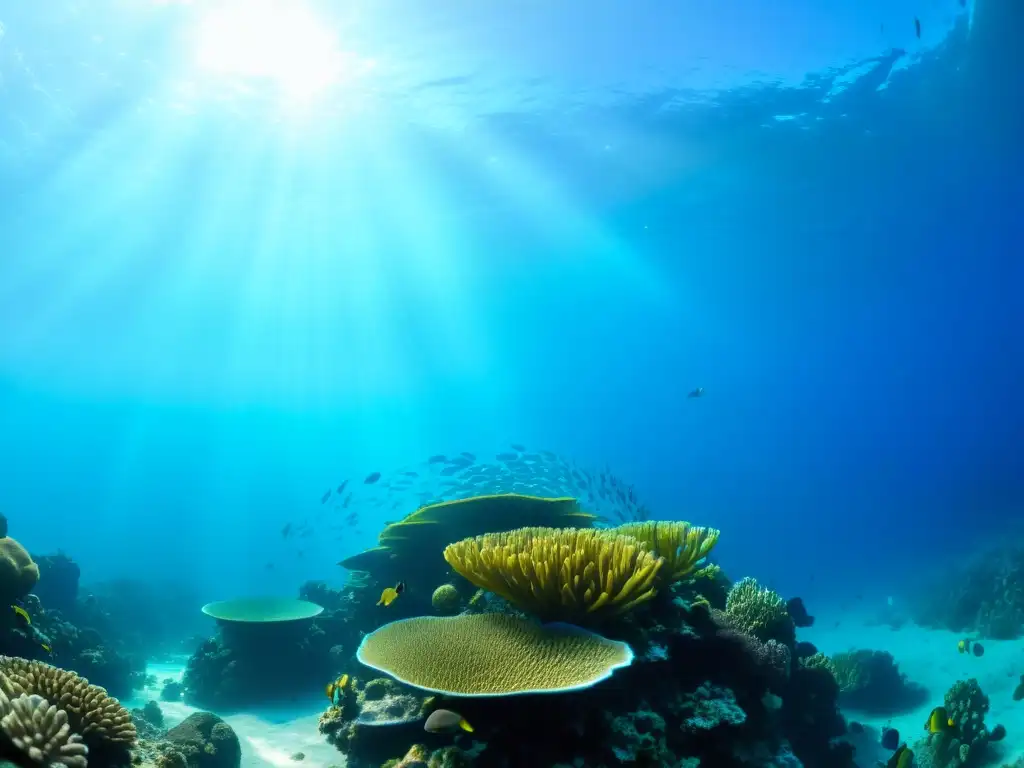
(496, 630)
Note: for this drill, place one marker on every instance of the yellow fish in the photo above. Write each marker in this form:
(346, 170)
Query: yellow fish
(962, 646)
(390, 594)
(446, 721)
(334, 690)
(46, 648)
(901, 758)
(939, 721)
(21, 613)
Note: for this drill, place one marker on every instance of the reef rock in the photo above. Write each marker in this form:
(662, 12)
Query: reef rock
(206, 741)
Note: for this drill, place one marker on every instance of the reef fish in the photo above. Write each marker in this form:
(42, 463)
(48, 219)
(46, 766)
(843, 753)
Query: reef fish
(917, 28)
(335, 688)
(698, 392)
(939, 721)
(970, 646)
(372, 478)
(901, 758)
(22, 614)
(446, 721)
(390, 594)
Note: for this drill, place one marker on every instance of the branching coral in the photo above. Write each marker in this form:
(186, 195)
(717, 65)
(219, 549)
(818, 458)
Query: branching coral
(568, 574)
(491, 654)
(90, 711)
(759, 611)
(682, 545)
(819, 660)
(41, 732)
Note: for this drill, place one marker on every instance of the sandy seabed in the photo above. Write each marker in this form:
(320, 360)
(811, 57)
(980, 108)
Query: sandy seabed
(928, 657)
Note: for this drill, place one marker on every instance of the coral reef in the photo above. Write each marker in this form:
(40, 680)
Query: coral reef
(983, 595)
(446, 599)
(760, 612)
(18, 572)
(871, 681)
(40, 731)
(491, 654)
(681, 545)
(205, 741)
(258, 660)
(560, 574)
(411, 548)
(716, 675)
(97, 717)
(965, 744)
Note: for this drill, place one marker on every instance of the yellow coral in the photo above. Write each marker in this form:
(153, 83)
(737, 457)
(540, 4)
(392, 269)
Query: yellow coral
(410, 548)
(568, 574)
(682, 545)
(491, 654)
(18, 572)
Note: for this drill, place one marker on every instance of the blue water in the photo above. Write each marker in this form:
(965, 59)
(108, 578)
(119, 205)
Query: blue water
(243, 263)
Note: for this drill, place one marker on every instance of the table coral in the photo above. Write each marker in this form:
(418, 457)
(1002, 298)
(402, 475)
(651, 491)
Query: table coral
(491, 654)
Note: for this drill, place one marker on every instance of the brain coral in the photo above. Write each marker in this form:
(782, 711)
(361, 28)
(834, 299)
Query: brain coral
(445, 599)
(560, 574)
(18, 573)
(491, 654)
(91, 712)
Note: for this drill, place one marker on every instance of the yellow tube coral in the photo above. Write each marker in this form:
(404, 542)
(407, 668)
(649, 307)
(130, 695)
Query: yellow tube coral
(565, 574)
(682, 545)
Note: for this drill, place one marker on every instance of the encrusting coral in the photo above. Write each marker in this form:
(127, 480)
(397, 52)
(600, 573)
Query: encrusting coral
(560, 574)
(18, 572)
(491, 654)
(90, 711)
(681, 545)
(41, 731)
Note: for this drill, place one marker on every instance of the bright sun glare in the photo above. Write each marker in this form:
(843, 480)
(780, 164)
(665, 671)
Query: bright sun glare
(275, 40)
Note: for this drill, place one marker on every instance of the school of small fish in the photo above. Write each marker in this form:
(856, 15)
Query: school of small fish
(446, 477)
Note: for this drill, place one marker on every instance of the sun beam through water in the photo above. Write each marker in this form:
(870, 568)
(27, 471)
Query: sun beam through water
(280, 42)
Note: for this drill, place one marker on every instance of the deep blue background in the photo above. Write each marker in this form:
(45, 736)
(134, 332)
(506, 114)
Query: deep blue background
(846, 286)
